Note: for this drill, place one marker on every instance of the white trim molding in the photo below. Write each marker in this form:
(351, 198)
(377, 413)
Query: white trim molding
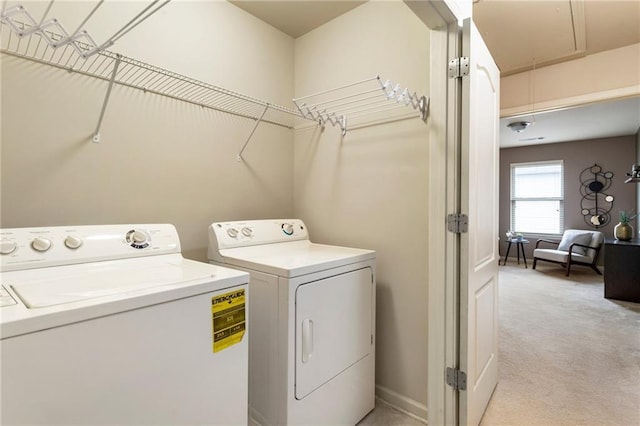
(402, 403)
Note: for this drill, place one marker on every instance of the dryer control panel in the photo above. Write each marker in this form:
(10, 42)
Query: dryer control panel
(28, 248)
(225, 235)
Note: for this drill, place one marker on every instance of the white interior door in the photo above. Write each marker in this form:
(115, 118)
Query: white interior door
(479, 246)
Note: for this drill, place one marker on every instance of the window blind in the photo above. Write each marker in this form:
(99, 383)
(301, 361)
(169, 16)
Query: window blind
(537, 197)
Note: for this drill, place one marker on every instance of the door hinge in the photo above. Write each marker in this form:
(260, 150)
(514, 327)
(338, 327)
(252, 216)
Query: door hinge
(457, 223)
(456, 379)
(459, 67)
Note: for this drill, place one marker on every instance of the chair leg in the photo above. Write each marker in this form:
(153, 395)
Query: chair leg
(568, 268)
(535, 260)
(595, 268)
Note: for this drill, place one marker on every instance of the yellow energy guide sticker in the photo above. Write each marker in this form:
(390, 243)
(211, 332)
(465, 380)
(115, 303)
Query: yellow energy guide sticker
(228, 315)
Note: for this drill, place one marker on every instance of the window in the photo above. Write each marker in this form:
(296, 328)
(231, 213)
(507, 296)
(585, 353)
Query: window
(537, 197)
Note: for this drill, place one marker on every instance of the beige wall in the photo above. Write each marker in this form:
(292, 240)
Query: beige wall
(593, 78)
(612, 154)
(160, 160)
(369, 189)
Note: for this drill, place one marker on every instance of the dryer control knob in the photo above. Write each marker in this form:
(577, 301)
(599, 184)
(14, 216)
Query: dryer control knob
(287, 228)
(41, 244)
(232, 232)
(247, 232)
(138, 237)
(7, 247)
(73, 242)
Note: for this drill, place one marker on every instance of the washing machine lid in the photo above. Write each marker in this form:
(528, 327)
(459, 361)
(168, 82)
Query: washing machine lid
(55, 296)
(295, 258)
(67, 284)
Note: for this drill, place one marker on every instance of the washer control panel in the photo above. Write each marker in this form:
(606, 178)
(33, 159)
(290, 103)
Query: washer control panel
(27, 248)
(224, 235)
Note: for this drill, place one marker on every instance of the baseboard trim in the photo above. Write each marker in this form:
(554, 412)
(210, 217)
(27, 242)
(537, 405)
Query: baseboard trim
(400, 402)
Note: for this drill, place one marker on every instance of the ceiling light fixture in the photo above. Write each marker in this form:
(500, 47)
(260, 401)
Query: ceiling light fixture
(518, 126)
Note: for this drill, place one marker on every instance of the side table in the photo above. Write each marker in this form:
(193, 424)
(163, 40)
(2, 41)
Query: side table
(519, 248)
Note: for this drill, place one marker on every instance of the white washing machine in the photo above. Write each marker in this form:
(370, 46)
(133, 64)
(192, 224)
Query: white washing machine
(110, 325)
(312, 343)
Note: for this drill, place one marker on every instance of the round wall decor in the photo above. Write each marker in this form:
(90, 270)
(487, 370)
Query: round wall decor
(596, 203)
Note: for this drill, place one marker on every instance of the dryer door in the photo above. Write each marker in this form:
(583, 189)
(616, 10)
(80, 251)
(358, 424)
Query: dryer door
(334, 327)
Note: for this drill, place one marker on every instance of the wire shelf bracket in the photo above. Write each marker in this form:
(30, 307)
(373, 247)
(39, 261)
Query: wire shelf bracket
(358, 99)
(96, 134)
(266, 108)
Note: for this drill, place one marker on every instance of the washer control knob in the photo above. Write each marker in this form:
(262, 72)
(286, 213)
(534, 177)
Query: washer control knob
(232, 232)
(138, 237)
(7, 247)
(247, 232)
(41, 244)
(73, 242)
(287, 228)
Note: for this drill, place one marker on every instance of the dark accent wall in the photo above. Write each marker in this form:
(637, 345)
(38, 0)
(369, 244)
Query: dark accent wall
(612, 154)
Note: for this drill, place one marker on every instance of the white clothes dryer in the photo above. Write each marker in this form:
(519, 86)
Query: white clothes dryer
(110, 325)
(312, 344)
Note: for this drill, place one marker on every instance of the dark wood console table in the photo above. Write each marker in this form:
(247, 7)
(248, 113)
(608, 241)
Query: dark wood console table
(622, 270)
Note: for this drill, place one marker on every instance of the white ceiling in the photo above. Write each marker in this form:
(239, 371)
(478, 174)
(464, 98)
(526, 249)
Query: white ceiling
(519, 34)
(600, 120)
(296, 17)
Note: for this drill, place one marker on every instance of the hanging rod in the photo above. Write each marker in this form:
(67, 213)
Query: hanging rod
(23, 24)
(139, 75)
(362, 98)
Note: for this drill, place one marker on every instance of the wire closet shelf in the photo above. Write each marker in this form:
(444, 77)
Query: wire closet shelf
(23, 24)
(363, 98)
(47, 42)
(119, 69)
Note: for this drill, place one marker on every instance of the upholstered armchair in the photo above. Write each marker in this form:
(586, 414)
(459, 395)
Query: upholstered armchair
(577, 247)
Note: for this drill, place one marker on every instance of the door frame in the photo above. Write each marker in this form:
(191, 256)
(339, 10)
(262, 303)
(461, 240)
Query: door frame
(444, 198)
(444, 265)
(443, 17)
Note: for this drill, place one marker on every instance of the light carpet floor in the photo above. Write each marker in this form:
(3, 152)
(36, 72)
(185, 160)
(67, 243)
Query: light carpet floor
(567, 355)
